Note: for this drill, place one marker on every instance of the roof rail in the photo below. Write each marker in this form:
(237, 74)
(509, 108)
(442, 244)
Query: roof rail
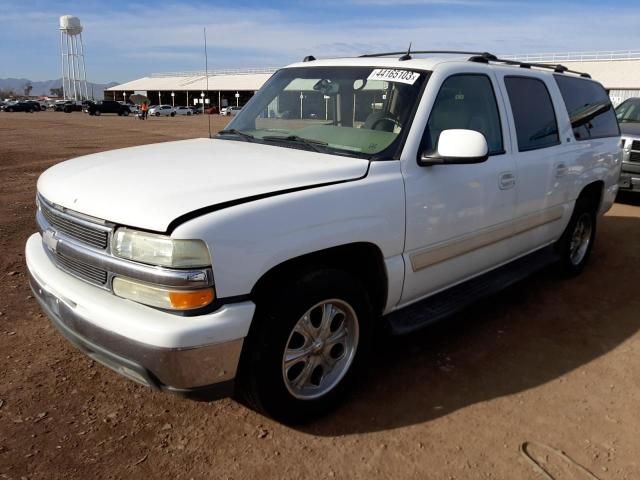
(447, 52)
(557, 68)
(482, 57)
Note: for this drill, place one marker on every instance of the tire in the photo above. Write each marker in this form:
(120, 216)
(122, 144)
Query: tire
(10, 109)
(576, 243)
(157, 114)
(173, 114)
(97, 113)
(125, 113)
(267, 385)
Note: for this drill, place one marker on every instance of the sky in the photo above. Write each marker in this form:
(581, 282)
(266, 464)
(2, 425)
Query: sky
(125, 40)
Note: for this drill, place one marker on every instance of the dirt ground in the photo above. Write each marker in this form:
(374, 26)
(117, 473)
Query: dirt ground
(551, 361)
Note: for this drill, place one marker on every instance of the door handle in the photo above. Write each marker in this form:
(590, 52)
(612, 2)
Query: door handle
(561, 169)
(507, 180)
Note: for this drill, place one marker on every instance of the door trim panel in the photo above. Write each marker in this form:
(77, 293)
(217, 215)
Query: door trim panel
(455, 247)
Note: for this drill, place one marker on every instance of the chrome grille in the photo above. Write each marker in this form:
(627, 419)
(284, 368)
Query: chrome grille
(635, 145)
(81, 231)
(634, 157)
(82, 270)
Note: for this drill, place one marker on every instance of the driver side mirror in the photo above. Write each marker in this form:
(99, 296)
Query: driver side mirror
(457, 147)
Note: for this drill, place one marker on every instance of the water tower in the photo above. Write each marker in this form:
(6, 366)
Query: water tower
(74, 74)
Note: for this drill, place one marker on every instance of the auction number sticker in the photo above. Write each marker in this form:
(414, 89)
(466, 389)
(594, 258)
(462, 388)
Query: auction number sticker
(394, 75)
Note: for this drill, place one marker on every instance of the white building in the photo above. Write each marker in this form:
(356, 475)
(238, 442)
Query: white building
(224, 87)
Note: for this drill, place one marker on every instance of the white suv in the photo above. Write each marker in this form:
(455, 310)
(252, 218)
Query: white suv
(346, 194)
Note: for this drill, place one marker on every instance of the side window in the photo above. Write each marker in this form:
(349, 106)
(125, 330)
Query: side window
(465, 101)
(535, 119)
(589, 108)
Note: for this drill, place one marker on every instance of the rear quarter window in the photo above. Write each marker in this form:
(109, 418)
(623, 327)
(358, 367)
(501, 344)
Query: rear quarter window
(589, 108)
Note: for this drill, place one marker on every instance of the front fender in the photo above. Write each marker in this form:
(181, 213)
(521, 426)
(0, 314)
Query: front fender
(248, 240)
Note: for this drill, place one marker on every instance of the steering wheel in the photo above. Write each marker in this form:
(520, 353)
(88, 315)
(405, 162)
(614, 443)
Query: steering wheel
(388, 120)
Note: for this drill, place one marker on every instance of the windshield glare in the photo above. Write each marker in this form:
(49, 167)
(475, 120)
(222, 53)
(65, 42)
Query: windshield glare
(628, 111)
(342, 110)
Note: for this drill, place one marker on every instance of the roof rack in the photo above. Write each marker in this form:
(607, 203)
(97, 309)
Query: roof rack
(557, 68)
(481, 57)
(448, 52)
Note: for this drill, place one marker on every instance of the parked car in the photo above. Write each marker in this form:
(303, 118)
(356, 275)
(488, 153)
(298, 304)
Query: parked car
(162, 110)
(36, 105)
(19, 107)
(213, 110)
(107, 106)
(69, 106)
(260, 262)
(628, 114)
(182, 110)
(230, 111)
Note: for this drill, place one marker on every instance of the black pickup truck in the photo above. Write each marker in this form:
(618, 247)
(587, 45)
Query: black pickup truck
(107, 106)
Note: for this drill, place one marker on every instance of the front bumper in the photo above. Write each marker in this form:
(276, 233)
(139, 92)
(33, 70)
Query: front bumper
(630, 176)
(184, 358)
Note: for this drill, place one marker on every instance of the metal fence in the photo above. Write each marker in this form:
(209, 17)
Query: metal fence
(202, 73)
(576, 56)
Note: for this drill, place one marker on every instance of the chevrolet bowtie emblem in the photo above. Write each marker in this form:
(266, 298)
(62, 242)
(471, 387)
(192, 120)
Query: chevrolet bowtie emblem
(49, 239)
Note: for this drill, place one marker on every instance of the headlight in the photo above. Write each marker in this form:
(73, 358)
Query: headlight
(159, 249)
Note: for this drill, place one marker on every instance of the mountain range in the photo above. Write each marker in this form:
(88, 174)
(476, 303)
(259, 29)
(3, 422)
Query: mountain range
(42, 87)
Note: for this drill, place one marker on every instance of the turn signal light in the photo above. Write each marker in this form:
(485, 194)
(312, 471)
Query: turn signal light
(191, 299)
(162, 297)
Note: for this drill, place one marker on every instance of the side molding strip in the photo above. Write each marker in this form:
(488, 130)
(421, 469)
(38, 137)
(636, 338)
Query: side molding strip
(474, 241)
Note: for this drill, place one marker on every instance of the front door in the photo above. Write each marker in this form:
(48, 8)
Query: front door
(459, 217)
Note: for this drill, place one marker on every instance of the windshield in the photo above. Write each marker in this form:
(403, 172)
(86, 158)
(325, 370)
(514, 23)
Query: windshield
(628, 111)
(353, 111)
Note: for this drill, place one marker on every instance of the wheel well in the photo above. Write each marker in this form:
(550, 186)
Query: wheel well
(593, 192)
(362, 260)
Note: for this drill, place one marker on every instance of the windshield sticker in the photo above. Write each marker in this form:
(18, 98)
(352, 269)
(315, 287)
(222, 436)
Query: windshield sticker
(393, 75)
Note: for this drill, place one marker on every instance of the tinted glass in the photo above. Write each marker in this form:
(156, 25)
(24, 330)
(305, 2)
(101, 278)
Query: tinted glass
(535, 119)
(589, 108)
(467, 102)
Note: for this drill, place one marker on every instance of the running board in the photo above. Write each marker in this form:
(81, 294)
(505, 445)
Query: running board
(448, 302)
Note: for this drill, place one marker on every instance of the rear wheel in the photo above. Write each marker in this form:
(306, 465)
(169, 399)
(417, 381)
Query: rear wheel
(309, 340)
(576, 242)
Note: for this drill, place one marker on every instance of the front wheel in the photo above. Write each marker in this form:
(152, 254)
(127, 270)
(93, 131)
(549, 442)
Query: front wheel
(97, 113)
(125, 113)
(576, 242)
(310, 340)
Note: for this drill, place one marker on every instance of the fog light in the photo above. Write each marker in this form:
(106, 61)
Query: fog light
(161, 297)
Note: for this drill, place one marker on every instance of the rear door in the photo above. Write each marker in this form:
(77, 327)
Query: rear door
(539, 133)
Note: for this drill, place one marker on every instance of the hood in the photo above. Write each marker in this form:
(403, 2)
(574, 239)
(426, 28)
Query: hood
(149, 186)
(630, 128)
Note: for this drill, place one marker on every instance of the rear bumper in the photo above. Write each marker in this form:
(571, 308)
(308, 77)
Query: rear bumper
(175, 365)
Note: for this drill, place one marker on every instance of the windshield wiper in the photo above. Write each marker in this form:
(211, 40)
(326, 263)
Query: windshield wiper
(313, 144)
(232, 131)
